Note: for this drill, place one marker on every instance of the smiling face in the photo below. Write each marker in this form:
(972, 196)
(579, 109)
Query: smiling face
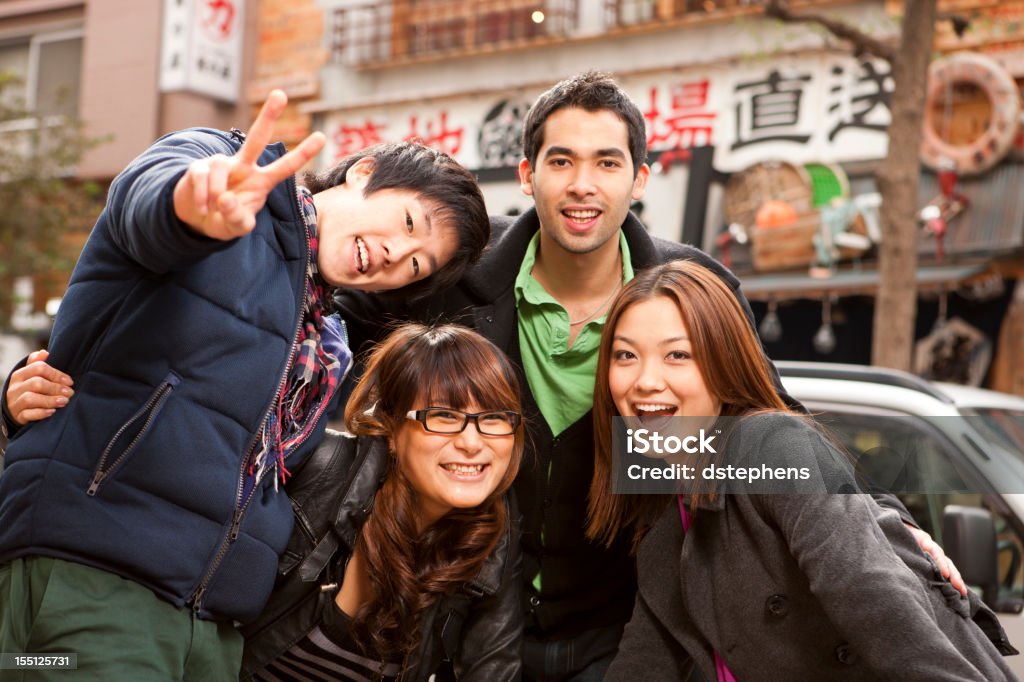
(583, 180)
(451, 471)
(379, 242)
(652, 373)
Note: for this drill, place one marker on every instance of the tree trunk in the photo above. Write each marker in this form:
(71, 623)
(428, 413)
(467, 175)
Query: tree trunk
(896, 305)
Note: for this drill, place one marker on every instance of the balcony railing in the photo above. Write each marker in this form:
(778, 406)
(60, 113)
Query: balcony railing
(620, 14)
(380, 32)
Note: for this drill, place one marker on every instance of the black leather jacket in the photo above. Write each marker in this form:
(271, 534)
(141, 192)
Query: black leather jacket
(478, 629)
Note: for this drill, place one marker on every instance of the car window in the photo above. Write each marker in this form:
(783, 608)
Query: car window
(1003, 426)
(902, 455)
(908, 457)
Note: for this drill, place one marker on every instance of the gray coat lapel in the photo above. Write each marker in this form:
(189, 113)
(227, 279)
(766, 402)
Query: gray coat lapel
(661, 582)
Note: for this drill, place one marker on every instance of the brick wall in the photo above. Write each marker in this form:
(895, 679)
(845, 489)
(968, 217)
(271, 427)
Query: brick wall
(289, 54)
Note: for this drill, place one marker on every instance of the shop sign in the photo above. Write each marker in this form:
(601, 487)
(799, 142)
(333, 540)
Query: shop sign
(828, 108)
(201, 49)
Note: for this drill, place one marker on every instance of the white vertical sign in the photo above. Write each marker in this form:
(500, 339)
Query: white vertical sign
(174, 46)
(202, 47)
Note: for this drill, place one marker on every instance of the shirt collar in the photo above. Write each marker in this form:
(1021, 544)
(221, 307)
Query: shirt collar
(529, 289)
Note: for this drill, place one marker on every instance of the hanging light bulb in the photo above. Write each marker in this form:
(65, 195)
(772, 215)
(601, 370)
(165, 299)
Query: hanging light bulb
(770, 328)
(825, 338)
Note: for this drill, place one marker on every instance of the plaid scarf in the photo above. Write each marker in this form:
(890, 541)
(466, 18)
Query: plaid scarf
(321, 360)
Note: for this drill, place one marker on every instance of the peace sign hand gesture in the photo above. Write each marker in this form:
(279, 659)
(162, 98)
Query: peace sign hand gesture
(219, 196)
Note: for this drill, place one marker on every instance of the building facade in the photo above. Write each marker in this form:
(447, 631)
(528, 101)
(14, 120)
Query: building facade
(740, 109)
(129, 72)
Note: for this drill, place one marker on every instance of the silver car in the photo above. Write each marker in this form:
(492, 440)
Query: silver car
(954, 455)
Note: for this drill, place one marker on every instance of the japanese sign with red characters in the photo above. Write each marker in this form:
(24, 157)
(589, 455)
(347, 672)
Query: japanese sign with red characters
(202, 47)
(824, 107)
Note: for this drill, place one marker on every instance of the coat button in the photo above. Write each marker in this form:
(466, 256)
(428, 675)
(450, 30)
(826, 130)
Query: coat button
(534, 601)
(777, 605)
(845, 655)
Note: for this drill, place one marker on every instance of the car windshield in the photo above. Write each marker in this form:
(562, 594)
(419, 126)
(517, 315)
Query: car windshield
(1003, 426)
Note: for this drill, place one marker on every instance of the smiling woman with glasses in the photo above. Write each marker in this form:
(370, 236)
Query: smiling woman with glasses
(403, 552)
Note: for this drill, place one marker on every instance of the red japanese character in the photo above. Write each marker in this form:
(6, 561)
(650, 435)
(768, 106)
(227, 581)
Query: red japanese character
(218, 18)
(688, 124)
(351, 139)
(437, 135)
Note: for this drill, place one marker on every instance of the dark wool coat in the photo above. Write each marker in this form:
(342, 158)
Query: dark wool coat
(807, 586)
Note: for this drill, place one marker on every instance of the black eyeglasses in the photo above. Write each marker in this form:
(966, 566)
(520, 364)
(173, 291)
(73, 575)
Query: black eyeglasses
(448, 420)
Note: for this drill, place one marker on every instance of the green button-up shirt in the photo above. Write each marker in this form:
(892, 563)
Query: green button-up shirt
(561, 377)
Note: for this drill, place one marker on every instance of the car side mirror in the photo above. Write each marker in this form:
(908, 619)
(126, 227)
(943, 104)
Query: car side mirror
(969, 540)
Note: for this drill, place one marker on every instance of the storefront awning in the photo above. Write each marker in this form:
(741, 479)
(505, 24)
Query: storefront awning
(785, 286)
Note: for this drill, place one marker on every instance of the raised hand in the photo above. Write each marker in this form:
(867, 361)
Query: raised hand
(220, 196)
(37, 390)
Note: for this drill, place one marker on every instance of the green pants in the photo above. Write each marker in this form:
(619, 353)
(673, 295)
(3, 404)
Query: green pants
(119, 629)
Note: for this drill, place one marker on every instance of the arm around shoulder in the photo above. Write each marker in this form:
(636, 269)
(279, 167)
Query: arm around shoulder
(8, 424)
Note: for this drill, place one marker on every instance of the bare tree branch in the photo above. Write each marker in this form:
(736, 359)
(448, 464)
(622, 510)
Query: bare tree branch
(862, 42)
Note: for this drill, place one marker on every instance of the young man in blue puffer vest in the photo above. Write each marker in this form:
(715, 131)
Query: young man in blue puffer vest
(144, 520)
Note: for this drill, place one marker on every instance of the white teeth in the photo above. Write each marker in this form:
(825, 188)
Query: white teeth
(463, 468)
(654, 408)
(582, 215)
(364, 259)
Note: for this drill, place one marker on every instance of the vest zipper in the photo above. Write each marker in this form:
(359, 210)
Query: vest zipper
(240, 507)
(149, 410)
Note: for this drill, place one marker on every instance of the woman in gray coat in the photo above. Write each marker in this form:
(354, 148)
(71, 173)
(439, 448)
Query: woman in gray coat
(787, 580)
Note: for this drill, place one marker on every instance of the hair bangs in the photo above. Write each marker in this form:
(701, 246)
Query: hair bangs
(471, 376)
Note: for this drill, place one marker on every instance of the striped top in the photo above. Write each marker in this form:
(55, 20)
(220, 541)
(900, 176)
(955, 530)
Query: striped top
(328, 652)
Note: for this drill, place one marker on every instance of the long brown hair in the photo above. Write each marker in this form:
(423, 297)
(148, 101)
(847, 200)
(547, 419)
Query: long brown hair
(410, 569)
(728, 354)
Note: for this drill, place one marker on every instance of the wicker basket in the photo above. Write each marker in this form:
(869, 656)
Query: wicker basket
(747, 190)
(787, 247)
(792, 246)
